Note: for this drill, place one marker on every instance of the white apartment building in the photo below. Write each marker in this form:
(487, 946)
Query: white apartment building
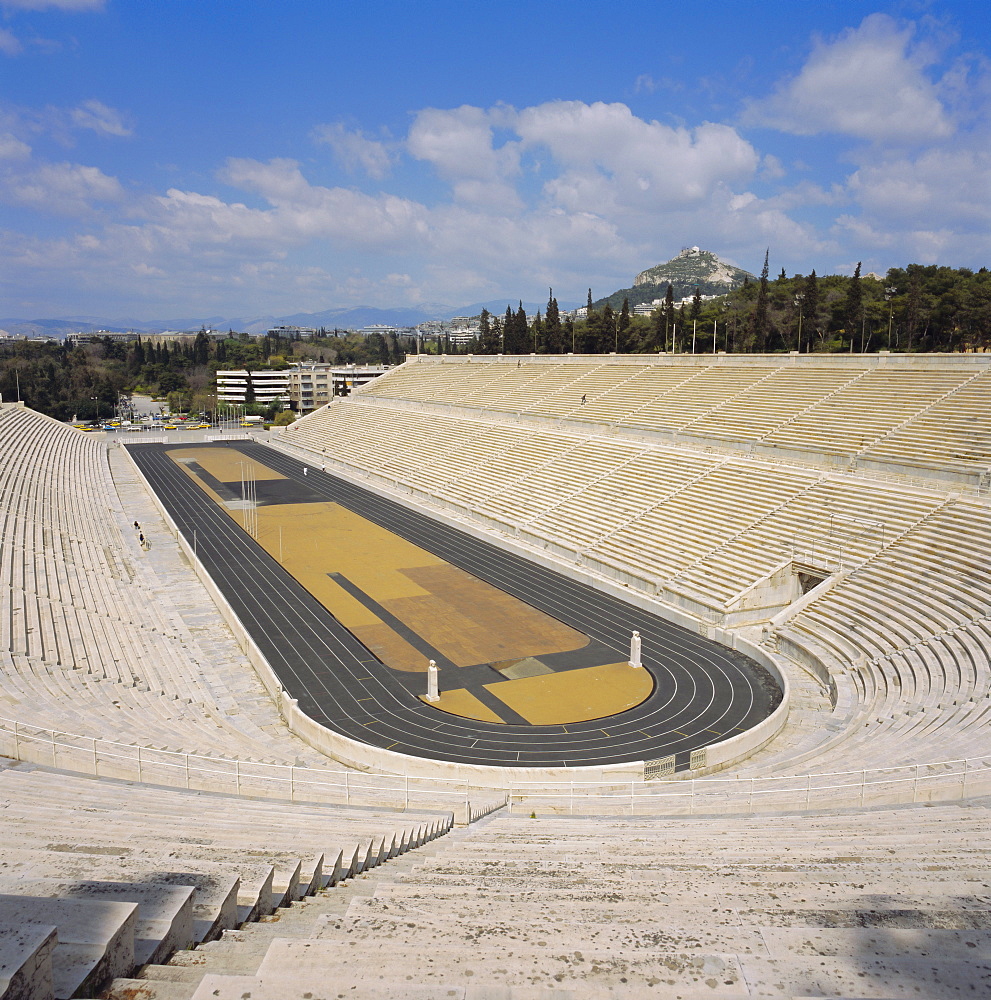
(312, 385)
(268, 385)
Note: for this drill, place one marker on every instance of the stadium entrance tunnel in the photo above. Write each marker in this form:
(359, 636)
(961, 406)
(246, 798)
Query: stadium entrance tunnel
(348, 596)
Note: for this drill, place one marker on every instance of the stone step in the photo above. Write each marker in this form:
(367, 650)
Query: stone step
(26, 960)
(656, 933)
(586, 909)
(95, 938)
(217, 885)
(147, 989)
(171, 973)
(951, 895)
(316, 988)
(348, 964)
(165, 912)
(349, 967)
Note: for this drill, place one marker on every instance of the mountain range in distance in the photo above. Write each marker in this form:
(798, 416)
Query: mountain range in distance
(690, 270)
(343, 319)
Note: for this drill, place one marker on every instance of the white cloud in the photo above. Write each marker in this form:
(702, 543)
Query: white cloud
(937, 187)
(869, 83)
(99, 118)
(354, 150)
(64, 188)
(69, 6)
(299, 213)
(460, 145)
(9, 44)
(616, 164)
(11, 148)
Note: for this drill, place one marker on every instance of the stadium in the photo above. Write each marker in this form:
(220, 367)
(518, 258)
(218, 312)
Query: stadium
(713, 661)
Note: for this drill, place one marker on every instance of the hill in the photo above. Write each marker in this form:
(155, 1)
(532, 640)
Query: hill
(692, 268)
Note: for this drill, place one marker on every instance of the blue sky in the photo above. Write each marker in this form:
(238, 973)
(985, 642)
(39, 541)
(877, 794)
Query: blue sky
(242, 158)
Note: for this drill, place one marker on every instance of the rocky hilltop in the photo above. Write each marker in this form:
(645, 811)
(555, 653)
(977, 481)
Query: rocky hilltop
(695, 267)
(692, 268)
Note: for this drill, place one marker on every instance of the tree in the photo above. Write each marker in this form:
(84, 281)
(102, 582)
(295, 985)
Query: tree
(668, 316)
(488, 337)
(284, 418)
(623, 328)
(509, 332)
(607, 334)
(853, 312)
(249, 392)
(655, 338)
(553, 332)
(757, 334)
(696, 310)
(810, 303)
(201, 348)
(537, 335)
(914, 307)
(498, 334)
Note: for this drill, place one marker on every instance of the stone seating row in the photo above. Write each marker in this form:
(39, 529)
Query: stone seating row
(850, 410)
(714, 524)
(86, 645)
(709, 527)
(856, 904)
(114, 876)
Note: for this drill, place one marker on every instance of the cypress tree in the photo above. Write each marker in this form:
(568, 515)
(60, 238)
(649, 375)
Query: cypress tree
(810, 301)
(853, 313)
(488, 336)
(553, 333)
(669, 316)
(522, 332)
(623, 328)
(758, 318)
(498, 336)
(537, 336)
(607, 331)
(696, 305)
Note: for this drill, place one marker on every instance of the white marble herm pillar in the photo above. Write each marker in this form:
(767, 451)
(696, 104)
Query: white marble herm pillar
(432, 693)
(635, 650)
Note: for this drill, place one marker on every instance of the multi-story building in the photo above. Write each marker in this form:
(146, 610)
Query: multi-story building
(293, 332)
(312, 385)
(268, 385)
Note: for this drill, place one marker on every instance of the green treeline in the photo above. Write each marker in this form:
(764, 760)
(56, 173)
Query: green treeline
(917, 308)
(87, 381)
(914, 309)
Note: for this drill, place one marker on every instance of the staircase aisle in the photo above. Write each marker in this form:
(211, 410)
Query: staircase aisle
(883, 903)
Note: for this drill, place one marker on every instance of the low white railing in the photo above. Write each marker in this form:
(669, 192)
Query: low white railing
(201, 772)
(939, 781)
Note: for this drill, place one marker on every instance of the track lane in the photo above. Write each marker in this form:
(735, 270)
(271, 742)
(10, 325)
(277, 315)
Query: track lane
(702, 692)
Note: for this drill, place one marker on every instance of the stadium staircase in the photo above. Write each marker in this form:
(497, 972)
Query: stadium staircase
(874, 904)
(99, 878)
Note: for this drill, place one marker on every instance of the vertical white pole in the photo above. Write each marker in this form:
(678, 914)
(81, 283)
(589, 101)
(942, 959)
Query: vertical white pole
(635, 650)
(432, 692)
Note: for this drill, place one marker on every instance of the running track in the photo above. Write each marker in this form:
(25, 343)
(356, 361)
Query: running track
(703, 692)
